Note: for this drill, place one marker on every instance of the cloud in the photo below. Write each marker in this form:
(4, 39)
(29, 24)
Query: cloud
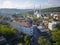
(21, 5)
(50, 3)
(7, 4)
(26, 4)
(46, 5)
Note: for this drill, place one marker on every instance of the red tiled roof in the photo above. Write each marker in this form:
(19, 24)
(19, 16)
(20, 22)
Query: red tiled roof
(24, 23)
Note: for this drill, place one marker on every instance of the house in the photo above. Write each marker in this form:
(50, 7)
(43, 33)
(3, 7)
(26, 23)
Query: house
(56, 16)
(23, 25)
(52, 25)
(4, 21)
(42, 29)
(45, 23)
(45, 17)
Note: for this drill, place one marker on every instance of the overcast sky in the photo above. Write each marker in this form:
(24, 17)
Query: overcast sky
(29, 4)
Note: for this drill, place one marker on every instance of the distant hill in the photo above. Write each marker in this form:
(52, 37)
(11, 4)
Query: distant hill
(14, 11)
(53, 9)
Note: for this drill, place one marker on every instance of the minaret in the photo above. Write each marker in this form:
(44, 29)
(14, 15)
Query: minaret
(40, 12)
(34, 6)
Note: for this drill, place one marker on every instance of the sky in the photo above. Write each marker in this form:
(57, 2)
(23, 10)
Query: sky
(29, 4)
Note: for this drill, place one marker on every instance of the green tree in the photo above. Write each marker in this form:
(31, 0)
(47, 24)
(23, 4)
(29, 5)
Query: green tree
(24, 39)
(57, 43)
(55, 36)
(20, 44)
(7, 31)
(58, 26)
(43, 41)
(5, 18)
(27, 40)
(35, 19)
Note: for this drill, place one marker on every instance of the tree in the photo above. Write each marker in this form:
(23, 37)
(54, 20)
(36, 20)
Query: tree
(43, 41)
(24, 39)
(7, 31)
(35, 20)
(55, 36)
(27, 39)
(57, 43)
(58, 26)
(5, 18)
(10, 33)
(20, 44)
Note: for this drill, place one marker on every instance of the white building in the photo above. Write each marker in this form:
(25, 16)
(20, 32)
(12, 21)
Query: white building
(42, 29)
(56, 16)
(52, 25)
(52, 14)
(37, 14)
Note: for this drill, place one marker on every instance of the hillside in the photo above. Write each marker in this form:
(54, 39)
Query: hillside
(14, 11)
(53, 9)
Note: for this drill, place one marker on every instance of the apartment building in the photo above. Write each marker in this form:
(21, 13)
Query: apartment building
(23, 25)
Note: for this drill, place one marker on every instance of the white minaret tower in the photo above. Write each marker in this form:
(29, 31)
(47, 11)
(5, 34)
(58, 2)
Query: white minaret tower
(40, 11)
(36, 13)
(34, 6)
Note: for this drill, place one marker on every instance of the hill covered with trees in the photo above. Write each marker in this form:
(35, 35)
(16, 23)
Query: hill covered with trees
(53, 9)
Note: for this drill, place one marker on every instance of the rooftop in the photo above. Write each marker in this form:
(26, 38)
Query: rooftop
(26, 22)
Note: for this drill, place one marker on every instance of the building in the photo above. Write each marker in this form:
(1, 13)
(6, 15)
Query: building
(42, 29)
(36, 14)
(57, 16)
(45, 17)
(45, 23)
(52, 25)
(23, 25)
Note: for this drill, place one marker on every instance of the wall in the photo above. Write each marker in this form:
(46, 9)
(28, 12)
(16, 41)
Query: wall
(26, 30)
